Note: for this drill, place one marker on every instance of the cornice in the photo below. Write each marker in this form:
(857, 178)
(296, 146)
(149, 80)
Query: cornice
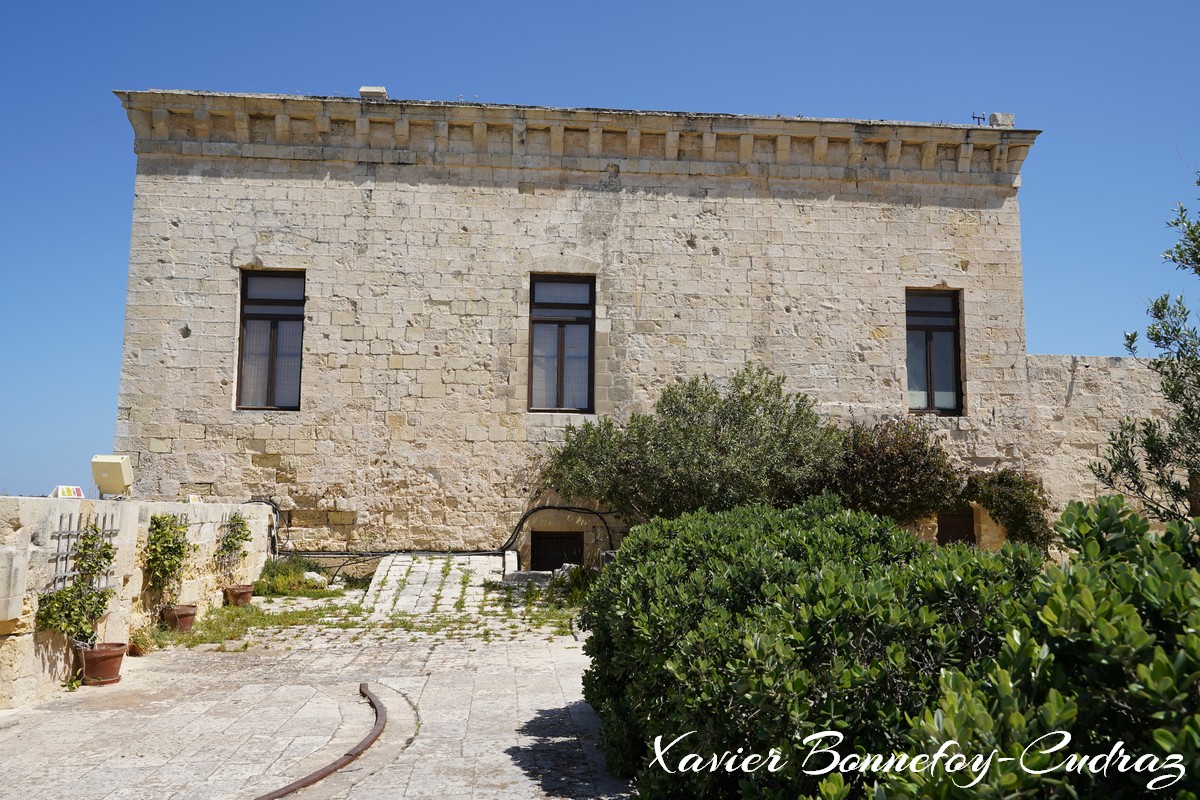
(477, 135)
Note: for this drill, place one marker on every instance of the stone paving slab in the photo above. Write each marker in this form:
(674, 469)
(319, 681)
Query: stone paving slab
(408, 584)
(480, 705)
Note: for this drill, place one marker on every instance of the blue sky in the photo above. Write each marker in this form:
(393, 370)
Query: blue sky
(1112, 85)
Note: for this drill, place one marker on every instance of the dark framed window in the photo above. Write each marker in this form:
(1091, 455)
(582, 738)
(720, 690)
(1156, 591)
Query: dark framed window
(562, 334)
(934, 370)
(271, 341)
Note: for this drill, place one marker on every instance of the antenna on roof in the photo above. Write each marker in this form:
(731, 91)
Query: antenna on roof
(979, 118)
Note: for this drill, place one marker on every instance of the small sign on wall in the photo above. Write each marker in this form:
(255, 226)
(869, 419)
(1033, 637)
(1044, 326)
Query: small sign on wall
(67, 491)
(194, 498)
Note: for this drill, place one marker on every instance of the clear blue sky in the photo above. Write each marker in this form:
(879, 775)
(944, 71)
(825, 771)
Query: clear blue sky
(1112, 85)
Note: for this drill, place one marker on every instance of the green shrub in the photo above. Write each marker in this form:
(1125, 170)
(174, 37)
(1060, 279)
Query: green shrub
(167, 550)
(75, 609)
(1015, 499)
(756, 626)
(1108, 652)
(230, 550)
(703, 447)
(896, 468)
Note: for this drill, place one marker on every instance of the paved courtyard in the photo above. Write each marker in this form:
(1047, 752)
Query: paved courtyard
(481, 703)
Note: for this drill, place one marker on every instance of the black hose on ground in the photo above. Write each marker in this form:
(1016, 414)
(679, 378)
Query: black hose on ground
(351, 754)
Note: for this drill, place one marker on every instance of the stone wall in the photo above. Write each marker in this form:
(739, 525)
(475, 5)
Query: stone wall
(1078, 401)
(32, 663)
(713, 239)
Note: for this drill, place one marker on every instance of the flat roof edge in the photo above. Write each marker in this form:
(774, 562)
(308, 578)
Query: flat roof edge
(128, 96)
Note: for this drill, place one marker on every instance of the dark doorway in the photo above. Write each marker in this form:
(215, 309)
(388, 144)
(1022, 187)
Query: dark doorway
(551, 549)
(956, 525)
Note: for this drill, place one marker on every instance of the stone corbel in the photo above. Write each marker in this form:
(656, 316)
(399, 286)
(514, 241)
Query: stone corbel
(855, 157)
(928, 154)
(283, 128)
(161, 122)
(820, 149)
(671, 145)
(745, 148)
(892, 153)
(518, 138)
(783, 149)
(1016, 157)
(633, 143)
(964, 156)
(203, 122)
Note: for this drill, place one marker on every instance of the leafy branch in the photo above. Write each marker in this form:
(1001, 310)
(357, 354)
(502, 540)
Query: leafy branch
(74, 610)
(1158, 461)
(235, 533)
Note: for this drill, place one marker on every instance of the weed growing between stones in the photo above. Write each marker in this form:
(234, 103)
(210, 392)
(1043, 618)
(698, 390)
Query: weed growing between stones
(400, 584)
(452, 626)
(234, 623)
(553, 606)
(447, 565)
(285, 578)
(464, 582)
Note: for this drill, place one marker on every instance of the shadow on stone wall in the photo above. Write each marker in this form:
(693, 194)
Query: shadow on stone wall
(55, 657)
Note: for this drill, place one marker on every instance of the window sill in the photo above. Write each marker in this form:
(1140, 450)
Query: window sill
(926, 412)
(542, 418)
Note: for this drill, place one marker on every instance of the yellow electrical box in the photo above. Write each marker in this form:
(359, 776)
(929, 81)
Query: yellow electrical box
(113, 474)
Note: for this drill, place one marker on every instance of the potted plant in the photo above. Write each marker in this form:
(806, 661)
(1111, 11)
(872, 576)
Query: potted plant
(230, 553)
(75, 609)
(167, 549)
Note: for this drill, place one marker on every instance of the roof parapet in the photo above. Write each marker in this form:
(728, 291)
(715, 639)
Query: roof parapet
(505, 136)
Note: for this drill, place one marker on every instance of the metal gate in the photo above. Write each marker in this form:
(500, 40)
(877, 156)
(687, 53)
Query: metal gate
(551, 549)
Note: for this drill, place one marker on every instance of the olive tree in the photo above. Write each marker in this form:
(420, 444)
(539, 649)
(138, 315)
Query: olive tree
(1158, 461)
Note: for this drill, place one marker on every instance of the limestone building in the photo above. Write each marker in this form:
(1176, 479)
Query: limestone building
(376, 312)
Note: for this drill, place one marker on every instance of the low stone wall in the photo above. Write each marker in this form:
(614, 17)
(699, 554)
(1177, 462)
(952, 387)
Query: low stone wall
(35, 533)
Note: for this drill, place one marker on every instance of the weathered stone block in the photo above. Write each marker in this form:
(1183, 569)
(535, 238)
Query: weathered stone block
(23, 622)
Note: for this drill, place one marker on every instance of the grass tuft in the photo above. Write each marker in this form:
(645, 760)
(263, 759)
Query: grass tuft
(234, 623)
(285, 578)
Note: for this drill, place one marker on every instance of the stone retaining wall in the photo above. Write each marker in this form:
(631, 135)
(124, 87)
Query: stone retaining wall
(33, 663)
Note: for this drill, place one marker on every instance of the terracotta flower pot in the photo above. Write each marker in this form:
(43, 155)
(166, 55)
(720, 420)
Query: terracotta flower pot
(179, 618)
(102, 663)
(239, 595)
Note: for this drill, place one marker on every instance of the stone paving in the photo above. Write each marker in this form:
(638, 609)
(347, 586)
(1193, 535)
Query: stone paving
(480, 703)
(427, 584)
